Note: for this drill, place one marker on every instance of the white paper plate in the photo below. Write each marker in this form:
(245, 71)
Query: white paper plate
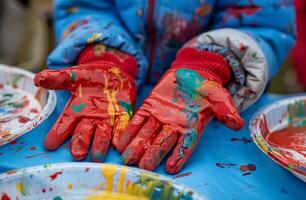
(277, 116)
(22, 105)
(91, 181)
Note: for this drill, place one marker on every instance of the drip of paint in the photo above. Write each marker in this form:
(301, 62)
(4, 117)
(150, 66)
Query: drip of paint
(223, 165)
(244, 140)
(108, 173)
(147, 187)
(121, 179)
(182, 175)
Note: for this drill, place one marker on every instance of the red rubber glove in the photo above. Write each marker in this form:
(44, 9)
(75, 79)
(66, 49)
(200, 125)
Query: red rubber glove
(175, 113)
(101, 103)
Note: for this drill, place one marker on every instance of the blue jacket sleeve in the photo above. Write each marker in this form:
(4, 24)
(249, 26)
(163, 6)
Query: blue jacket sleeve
(82, 22)
(271, 23)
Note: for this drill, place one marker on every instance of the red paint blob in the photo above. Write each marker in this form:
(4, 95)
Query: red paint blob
(1, 86)
(23, 119)
(34, 110)
(13, 142)
(87, 169)
(33, 148)
(55, 175)
(244, 168)
(251, 167)
(43, 190)
(5, 197)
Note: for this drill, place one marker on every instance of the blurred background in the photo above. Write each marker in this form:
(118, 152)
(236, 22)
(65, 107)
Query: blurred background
(26, 39)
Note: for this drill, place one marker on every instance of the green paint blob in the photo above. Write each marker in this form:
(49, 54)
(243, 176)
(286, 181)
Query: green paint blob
(127, 107)
(78, 108)
(188, 81)
(190, 138)
(73, 75)
(254, 55)
(57, 198)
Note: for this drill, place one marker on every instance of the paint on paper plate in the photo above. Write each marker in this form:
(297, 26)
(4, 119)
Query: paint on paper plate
(279, 131)
(107, 182)
(22, 105)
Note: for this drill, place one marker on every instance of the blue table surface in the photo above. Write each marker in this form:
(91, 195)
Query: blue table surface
(213, 170)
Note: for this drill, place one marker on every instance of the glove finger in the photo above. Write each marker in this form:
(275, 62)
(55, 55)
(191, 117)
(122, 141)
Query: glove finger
(130, 132)
(225, 110)
(121, 123)
(81, 139)
(163, 143)
(101, 142)
(135, 150)
(60, 131)
(185, 146)
(53, 79)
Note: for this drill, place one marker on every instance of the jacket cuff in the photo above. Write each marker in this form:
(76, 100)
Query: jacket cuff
(97, 53)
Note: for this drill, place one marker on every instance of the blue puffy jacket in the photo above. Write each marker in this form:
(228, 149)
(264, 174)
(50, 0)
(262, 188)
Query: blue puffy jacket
(254, 35)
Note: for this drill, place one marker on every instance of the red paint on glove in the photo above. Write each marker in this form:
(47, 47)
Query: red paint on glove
(178, 109)
(100, 107)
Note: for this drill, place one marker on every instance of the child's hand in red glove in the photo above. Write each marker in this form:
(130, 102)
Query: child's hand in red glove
(100, 107)
(177, 110)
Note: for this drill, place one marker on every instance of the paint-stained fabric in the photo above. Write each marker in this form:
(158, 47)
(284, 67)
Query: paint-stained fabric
(154, 30)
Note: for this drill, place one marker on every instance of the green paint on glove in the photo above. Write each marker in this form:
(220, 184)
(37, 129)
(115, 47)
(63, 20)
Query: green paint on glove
(127, 107)
(78, 108)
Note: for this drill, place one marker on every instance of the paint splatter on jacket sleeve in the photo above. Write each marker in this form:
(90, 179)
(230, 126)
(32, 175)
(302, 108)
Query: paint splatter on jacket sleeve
(259, 33)
(79, 23)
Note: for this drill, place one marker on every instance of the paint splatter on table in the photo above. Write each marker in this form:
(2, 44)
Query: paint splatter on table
(214, 147)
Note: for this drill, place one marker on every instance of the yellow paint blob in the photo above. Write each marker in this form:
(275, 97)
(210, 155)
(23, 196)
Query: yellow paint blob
(93, 37)
(20, 188)
(114, 196)
(70, 186)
